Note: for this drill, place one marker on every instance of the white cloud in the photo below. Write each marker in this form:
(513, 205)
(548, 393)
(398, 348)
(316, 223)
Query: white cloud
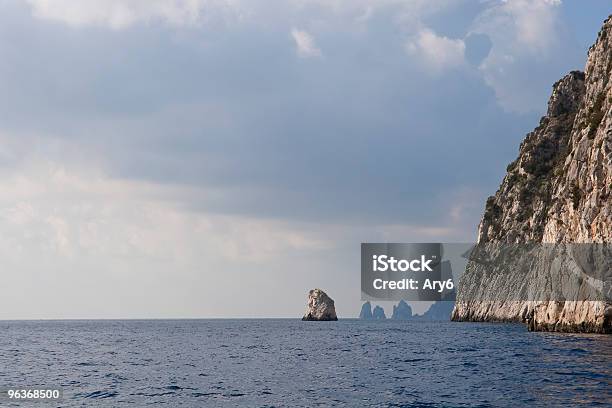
(434, 52)
(533, 24)
(119, 14)
(527, 38)
(71, 210)
(305, 44)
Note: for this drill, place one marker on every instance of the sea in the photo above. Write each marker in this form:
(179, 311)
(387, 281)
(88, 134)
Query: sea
(290, 363)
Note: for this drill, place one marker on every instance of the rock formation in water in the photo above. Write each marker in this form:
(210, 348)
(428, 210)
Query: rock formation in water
(378, 313)
(366, 311)
(402, 311)
(557, 191)
(438, 311)
(320, 306)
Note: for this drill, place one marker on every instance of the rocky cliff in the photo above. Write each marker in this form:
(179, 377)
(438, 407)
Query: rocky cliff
(557, 191)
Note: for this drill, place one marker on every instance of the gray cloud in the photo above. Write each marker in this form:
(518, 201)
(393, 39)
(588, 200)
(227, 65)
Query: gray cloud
(353, 135)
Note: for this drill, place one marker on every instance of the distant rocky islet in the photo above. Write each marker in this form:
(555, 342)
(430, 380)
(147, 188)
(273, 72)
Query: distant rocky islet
(440, 311)
(320, 307)
(367, 313)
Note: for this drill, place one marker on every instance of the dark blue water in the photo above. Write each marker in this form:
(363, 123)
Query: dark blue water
(207, 363)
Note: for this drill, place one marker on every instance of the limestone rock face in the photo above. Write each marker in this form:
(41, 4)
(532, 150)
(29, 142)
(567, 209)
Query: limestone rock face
(320, 306)
(558, 190)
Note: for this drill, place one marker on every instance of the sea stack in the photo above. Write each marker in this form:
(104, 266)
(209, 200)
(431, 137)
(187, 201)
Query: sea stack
(402, 311)
(366, 311)
(558, 191)
(369, 313)
(320, 307)
(378, 313)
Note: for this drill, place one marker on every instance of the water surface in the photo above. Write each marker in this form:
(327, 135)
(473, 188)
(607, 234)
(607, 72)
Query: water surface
(207, 363)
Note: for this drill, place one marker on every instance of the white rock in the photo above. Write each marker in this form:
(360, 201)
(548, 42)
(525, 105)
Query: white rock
(320, 306)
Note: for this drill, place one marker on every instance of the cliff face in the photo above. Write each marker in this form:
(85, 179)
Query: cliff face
(556, 191)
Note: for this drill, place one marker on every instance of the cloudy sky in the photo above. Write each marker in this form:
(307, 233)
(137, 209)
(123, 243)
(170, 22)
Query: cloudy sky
(210, 158)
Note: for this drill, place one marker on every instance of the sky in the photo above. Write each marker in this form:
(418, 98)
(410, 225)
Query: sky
(219, 158)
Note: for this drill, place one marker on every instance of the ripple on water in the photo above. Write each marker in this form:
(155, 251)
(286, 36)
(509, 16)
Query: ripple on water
(101, 394)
